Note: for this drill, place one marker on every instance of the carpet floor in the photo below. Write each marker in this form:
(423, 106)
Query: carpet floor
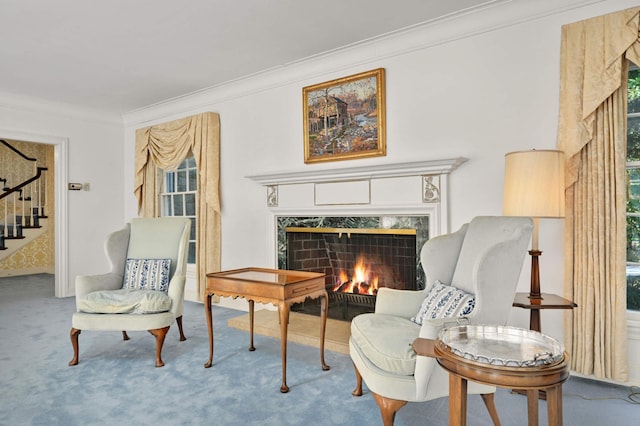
(116, 382)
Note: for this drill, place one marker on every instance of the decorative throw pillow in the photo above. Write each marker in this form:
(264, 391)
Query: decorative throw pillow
(147, 274)
(445, 301)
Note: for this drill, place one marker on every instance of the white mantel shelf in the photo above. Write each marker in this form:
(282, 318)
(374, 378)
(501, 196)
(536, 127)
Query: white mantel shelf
(418, 168)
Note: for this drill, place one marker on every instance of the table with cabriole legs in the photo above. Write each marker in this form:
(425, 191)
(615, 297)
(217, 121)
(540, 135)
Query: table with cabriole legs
(276, 286)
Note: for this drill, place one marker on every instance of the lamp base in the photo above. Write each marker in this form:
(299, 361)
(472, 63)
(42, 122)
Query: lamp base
(534, 293)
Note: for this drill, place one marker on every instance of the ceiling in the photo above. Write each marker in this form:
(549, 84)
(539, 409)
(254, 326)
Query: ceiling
(116, 56)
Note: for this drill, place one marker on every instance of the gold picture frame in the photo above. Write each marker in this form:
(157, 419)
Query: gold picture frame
(344, 118)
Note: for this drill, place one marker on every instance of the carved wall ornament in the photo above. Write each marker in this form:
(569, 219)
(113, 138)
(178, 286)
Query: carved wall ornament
(272, 195)
(431, 189)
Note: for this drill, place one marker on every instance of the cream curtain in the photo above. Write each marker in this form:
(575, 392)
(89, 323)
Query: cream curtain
(165, 146)
(592, 133)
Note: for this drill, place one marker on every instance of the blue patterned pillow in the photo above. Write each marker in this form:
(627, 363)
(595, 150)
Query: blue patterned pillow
(445, 301)
(147, 274)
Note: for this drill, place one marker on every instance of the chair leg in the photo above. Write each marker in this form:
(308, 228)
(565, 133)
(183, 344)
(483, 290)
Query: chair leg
(73, 334)
(179, 321)
(125, 336)
(388, 408)
(358, 390)
(491, 407)
(160, 334)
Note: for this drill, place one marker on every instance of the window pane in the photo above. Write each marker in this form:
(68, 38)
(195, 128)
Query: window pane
(191, 258)
(633, 263)
(634, 91)
(193, 180)
(178, 205)
(190, 162)
(633, 139)
(190, 204)
(633, 241)
(169, 182)
(166, 205)
(193, 230)
(633, 190)
(182, 181)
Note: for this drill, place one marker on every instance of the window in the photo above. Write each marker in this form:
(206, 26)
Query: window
(178, 198)
(633, 191)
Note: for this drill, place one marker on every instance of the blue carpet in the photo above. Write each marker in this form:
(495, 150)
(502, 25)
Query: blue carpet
(116, 382)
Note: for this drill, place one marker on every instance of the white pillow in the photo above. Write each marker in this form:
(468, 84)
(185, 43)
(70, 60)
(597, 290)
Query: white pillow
(147, 274)
(445, 301)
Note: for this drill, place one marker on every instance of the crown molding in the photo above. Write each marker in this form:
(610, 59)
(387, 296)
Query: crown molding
(489, 16)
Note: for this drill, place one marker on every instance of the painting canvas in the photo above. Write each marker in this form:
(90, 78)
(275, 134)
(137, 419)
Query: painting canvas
(345, 118)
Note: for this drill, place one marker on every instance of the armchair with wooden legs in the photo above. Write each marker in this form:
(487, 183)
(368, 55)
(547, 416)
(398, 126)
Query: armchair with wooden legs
(482, 262)
(145, 253)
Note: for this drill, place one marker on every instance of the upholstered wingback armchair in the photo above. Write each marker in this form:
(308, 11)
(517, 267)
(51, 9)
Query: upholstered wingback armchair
(144, 289)
(481, 263)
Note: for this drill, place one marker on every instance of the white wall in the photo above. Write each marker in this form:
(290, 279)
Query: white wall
(93, 146)
(475, 86)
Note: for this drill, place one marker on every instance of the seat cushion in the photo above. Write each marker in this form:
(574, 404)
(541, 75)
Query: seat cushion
(124, 301)
(386, 341)
(147, 274)
(444, 301)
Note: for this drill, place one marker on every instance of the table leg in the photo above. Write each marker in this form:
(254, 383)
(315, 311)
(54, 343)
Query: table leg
(532, 406)
(457, 400)
(283, 310)
(207, 312)
(534, 320)
(251, 306)
(554, 405)
(324, 309)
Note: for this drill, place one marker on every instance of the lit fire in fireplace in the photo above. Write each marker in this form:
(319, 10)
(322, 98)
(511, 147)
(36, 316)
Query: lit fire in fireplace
(363, 281)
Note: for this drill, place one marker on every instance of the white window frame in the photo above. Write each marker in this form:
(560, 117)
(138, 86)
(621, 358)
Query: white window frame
(187, 166)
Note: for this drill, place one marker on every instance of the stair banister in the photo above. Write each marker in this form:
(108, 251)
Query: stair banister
(25, 183)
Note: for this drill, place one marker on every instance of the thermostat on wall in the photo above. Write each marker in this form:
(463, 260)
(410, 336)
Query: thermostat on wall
(75, 186)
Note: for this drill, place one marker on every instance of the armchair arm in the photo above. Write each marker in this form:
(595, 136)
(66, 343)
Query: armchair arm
(86, 284)
(401, 303)
(176, 293)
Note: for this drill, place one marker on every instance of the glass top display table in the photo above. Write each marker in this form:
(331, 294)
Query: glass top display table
(276, 286)
(501, 356)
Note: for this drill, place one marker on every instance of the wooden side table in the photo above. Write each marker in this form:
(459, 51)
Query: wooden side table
(548, 301)
(531, 378)
(276, 286)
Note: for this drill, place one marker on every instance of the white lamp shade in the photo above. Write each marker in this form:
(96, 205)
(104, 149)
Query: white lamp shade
(534, 184)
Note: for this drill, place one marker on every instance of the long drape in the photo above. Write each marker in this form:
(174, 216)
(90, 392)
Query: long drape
(165, 146)
(592, 133)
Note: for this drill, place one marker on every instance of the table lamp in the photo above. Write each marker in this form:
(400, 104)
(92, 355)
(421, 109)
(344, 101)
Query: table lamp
(534, 186)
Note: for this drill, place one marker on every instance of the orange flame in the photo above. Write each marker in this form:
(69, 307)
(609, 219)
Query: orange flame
(362, 280)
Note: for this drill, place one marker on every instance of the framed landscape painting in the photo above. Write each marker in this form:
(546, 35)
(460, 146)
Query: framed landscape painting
(345, 118)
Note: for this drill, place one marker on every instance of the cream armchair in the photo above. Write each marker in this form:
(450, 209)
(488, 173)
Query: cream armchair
(484, 258)
(103, 304)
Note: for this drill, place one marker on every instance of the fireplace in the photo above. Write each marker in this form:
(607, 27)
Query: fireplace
(399, 196)
(356, 260)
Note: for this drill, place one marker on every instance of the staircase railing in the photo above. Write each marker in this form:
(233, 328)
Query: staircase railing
(19, 222)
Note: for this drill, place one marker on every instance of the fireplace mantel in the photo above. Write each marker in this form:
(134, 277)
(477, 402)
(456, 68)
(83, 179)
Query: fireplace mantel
(401, 189)
(418, 168)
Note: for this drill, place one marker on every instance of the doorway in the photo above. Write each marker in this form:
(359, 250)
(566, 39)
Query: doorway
(60, 149)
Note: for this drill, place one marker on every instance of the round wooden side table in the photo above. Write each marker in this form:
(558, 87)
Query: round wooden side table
(506, 357)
